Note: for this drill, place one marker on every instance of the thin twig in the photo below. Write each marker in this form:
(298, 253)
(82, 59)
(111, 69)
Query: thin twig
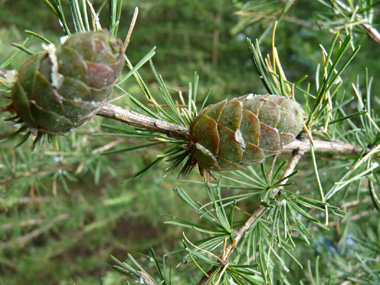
(26, 223)
(106, 147)
(370, 30)
(24, 200)
(258, 212)
(323, 146)
(344, 206)
(25, 238)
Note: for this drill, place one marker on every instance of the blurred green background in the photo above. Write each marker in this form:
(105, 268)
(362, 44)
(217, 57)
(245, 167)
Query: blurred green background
(63, 213)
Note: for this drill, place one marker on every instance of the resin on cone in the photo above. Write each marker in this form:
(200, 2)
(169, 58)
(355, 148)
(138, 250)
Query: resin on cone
(59, 89)
(233, 134)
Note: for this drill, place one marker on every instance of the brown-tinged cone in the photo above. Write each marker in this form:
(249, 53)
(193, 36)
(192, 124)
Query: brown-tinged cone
(232, 134)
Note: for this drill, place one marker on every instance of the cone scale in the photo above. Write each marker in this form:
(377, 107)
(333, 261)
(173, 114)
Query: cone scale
(59, 89)
(231, 135)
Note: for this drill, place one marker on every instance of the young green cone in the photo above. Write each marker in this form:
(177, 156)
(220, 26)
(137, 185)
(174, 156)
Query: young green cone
(59, 89)
(232, 134)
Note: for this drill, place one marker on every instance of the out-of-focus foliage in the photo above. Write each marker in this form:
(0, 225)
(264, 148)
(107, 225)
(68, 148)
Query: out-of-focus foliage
(63, 213)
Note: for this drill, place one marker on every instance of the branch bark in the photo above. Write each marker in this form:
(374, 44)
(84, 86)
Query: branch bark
(141, 121)
(174, 130)
(336, 147)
